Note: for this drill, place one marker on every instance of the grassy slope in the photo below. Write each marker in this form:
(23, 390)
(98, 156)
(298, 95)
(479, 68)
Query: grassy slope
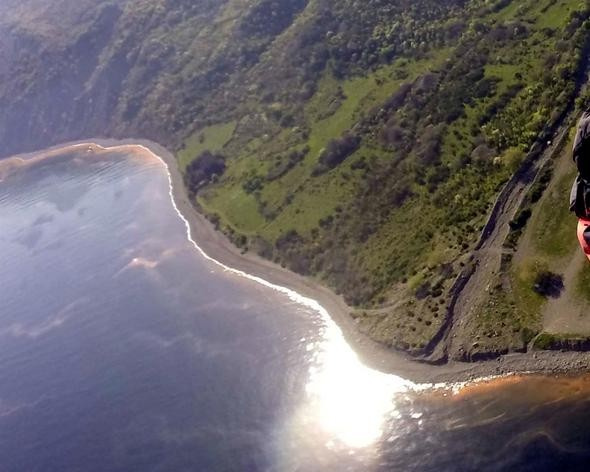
(500, 315)
(549, 243)
(331, 189)
(211, 138)
(407, 251)
(390, 225)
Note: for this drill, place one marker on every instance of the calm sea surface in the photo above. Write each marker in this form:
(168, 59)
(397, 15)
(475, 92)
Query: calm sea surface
(123, 349)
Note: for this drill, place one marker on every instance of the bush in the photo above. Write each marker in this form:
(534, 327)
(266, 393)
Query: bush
(520, 220)
(202, 170)
(336, 151)
(544, 341)
(392, 134)
(527, 335)
(428, 147)
(548, 284)
(541, 183)
(252, 184)
(285, 165)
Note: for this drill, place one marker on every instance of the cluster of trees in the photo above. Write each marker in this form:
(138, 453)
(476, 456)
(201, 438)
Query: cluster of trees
(382, 30)
(285, 164)
(453, 190)
(163, 69)
(549, 284)
(282, 165)
(205, 168)
(347, 38)
(336, 151)
(270, 17)
(518, 119)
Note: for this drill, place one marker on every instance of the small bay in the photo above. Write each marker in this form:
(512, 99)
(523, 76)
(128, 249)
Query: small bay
(123, 349)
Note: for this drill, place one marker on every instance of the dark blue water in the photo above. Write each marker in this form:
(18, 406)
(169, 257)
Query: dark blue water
(123, 349)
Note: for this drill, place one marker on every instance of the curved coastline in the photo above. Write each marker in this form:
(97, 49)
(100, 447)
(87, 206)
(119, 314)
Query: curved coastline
(215, 247)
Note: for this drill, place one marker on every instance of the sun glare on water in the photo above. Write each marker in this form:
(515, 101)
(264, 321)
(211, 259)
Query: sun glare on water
(348, 401)
(347, 404)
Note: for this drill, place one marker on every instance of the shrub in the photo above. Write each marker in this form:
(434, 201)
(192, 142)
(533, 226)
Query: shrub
(520, 220)
(252, 184)
(548, 284)
(203, 169)
(285, 165)
(544, 341)
(336, 151)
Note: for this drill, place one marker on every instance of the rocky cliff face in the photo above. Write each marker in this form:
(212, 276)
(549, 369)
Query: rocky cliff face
(130, 67)
(45, 91)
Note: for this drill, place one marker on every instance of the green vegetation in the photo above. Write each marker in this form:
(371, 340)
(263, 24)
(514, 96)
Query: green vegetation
(203, 170)
(544, 341)
(565, 341)
(545, 249)
(550, 238)
(553, 234)
(362, 143)
(526, 275)
(212, 138)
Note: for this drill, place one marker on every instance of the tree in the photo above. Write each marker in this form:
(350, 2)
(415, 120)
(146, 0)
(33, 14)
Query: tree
(203, 170)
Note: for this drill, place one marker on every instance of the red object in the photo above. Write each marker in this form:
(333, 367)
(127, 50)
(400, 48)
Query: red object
(584, 236)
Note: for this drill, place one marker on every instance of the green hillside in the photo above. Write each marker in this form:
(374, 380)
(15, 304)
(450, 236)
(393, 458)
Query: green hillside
(361, 143)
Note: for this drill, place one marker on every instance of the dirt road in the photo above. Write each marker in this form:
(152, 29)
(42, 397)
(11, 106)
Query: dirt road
(470, 288)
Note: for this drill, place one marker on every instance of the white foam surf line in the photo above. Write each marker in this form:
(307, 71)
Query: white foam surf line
(292, 294)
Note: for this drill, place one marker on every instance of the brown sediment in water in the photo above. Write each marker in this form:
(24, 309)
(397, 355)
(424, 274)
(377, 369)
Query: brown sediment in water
(219, 248)
(78, 153)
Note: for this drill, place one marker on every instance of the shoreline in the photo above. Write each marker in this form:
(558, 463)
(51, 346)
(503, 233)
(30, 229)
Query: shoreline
(216, 247)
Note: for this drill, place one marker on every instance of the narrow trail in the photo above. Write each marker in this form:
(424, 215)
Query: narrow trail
(487, 258)
(470, 288)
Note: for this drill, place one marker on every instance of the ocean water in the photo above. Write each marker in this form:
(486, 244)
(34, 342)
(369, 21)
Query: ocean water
(122, 348)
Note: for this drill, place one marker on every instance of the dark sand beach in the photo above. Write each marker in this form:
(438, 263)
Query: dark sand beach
(217, 247)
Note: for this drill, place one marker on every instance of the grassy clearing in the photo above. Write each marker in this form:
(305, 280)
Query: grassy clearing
(505, 72)
(555, 16)
(511, 11)
(211, 138)
(236, 209)
(553, 227)
(523, 279)
(313, 198)
(539, 14)
(343, 118)
(548, 241)
(334, 188)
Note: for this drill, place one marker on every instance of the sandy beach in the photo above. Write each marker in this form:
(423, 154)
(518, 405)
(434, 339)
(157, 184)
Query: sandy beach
(374, 355)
